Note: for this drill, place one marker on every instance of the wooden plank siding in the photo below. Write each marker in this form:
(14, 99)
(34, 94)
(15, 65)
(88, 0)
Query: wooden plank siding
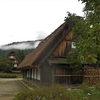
(64, 45)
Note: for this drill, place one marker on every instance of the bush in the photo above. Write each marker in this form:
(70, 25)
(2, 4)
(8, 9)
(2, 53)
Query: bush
(8, 75)
(97, 86)
(55, 92)
(85, 87)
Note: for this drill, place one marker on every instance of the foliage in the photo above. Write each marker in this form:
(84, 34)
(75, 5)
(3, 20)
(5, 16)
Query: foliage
(20, 54)
(3, 53)
(8, 75)
(58, 92)
(97, 86)
(88, 94)
(5, 65)
(72, 56)
(72, 18)
(55, 92)
(73, 60)
(85, 87)
(87, 32)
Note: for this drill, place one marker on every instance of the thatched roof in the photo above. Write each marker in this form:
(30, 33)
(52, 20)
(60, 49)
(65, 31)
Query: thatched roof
(45, 47)
(57, 61)
(15, 57)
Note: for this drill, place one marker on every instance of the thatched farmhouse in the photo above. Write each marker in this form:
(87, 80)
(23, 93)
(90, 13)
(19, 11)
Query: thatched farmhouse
(14, 59)
(47, 65)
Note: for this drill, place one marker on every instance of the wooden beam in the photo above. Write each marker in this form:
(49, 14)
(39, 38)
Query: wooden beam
(68, 75)
(92, 76)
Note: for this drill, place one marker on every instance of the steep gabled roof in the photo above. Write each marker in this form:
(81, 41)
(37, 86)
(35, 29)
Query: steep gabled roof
(15, 57)
(46, 47)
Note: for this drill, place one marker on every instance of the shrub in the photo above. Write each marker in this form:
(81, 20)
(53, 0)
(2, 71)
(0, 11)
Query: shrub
(97, 86)
(7, 75)
(55, 92)
(85, 87)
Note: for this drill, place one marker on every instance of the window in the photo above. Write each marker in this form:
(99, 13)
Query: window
(11, 57)
(72, 45)
(15, 65)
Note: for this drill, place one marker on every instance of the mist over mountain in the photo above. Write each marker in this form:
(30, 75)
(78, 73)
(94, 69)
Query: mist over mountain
(26, 46)
(21, 45)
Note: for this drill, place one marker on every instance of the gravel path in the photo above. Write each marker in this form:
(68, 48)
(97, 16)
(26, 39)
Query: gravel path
(10, 87)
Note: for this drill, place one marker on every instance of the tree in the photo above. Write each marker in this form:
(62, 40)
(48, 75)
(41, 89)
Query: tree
(90, 39)
(5, 65)
(87, 32)
(20, 54)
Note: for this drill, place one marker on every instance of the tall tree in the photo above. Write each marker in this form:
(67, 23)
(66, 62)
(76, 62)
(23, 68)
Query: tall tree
(87, 31)
(91, 39)
(21, 54)
(5, 65)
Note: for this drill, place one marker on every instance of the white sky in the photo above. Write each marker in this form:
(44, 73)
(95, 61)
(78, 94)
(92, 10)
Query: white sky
(22, 20)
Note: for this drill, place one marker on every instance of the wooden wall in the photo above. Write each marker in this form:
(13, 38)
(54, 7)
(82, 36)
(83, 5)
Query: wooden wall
(46, 74)
(64, 45)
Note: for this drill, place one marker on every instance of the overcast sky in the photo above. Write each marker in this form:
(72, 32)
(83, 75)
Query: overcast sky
(22, 20)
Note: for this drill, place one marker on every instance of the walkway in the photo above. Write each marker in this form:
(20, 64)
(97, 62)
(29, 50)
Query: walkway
(10, 87)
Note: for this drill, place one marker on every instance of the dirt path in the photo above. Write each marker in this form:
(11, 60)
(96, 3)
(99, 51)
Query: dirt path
(9, 87)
